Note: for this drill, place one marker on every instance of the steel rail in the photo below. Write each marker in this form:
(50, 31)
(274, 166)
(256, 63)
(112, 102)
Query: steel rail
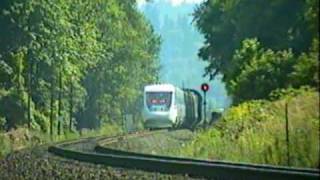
(191, 167)
(105, 150)
(175, 165)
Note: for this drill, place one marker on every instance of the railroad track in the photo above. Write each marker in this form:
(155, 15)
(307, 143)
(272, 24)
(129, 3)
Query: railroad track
(99, 154)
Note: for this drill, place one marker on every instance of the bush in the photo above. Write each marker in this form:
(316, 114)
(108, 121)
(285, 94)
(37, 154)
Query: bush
(5, 145)
(40, 120)
(257, 71)
(2, 123)
(14, 108)
(289, 92)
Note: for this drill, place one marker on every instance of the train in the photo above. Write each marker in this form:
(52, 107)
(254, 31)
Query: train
(168, 106)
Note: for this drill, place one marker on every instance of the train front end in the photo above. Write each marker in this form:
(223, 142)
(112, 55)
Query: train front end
(159, 111)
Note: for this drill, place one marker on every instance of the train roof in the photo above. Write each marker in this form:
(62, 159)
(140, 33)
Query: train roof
(160, 87)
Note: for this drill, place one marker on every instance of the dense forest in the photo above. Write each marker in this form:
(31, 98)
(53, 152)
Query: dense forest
(68, 64)
(260, 47)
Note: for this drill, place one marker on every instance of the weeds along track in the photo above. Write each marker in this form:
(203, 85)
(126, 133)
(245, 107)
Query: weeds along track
(93, 150)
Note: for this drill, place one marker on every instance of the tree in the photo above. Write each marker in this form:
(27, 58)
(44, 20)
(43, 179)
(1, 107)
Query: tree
(283, 30)
(65, 60)
(259, 71)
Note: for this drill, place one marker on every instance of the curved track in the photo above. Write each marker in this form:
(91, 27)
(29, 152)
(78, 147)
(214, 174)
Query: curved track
(91, 150)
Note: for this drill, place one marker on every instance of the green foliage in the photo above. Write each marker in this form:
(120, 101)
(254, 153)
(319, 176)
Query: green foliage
(260, 46)
(5, 145)
(226, 24)
(41, 120)
(289, 92)
(5, 72)
(13, 108)
(311, 14)
(2, 123)
(306, 70)
(114, 86)
(258, 69)
(83, 60)
(254, 132)
(257, 72)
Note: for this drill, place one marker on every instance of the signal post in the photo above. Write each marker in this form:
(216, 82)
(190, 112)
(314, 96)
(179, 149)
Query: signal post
(205, 87)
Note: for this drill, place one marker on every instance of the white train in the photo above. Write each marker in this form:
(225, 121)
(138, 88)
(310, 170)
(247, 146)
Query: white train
(167, 106)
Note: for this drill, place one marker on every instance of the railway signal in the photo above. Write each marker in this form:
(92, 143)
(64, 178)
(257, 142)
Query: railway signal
(205, 87)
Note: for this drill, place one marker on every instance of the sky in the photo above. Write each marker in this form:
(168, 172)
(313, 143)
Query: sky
(173, 2)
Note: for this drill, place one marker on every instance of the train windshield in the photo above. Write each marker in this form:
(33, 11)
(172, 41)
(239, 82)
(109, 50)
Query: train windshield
(158, 101)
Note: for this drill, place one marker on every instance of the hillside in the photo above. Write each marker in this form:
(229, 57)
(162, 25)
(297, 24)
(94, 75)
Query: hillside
(255, 132)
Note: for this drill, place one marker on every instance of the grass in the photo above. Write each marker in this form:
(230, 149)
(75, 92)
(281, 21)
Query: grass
(255, 132)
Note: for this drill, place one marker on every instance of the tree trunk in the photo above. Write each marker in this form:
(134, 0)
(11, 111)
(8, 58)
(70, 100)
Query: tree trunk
(35, 78)
(29, 92)
(71, 105)
(51, 104)
(60, 102)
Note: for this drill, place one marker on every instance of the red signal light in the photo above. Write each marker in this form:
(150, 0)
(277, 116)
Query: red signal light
(204, 87)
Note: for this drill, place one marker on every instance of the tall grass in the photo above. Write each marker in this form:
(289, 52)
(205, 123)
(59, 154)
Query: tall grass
(255, 132)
